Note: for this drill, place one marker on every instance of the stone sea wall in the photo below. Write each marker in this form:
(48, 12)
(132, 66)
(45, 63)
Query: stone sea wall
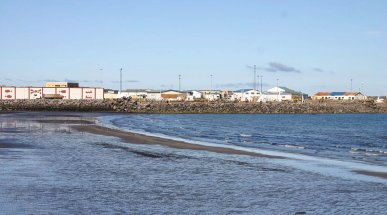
(124, 105)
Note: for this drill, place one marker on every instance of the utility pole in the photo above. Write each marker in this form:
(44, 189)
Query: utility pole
(211, 84)
(179, 82)
(362, 85)
(255, 76)
(210, 95)
(101, 71)
(261, 82)
(278, 91)
(121, 80)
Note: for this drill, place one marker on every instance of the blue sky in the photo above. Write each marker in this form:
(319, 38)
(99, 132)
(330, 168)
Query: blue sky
(308, 45)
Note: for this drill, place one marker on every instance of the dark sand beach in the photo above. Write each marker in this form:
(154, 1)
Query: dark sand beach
(370, 173)
(143, 139)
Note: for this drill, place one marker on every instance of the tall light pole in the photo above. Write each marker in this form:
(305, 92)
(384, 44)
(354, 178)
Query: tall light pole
(121, 80)
(179, 82)
(351, 84)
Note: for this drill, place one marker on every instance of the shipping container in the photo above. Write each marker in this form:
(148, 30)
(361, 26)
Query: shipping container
(8, 93)
(88, 93)
(49, 90)
(63, 92)
(99, 93)
(36, 92)
(22, 92)
(75, 93)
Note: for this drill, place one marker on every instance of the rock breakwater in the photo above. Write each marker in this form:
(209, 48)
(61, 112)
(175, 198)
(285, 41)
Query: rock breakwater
(124, 105)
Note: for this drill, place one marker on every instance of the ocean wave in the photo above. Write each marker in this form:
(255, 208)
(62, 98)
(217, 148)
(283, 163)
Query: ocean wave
(369, 152)
(293, 146)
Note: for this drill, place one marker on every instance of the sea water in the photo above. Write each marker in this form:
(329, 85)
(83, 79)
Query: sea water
(51, 168)
(360, 137)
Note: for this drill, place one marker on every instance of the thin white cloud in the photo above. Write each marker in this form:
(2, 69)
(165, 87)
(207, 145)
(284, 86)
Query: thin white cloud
(375, 33)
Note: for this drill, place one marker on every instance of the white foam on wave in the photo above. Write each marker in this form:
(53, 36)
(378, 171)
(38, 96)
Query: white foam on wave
(326, 166)
(293, 146)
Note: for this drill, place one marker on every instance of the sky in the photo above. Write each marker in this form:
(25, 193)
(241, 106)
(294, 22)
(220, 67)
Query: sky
(308, 46)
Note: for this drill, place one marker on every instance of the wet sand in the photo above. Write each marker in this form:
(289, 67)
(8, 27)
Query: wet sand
(88, 125)
(143, 139)
(370, 173)
(66, 121)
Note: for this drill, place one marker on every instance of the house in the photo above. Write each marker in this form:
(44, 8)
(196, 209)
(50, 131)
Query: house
(339, 96)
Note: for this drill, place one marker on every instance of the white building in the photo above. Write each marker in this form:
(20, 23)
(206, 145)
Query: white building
(154, 95)
(246, 95)
(194, 95)
(271, 97)
(133, 93)
(211, 95)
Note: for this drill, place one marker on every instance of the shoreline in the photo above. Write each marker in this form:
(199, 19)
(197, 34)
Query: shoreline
(135, 138)
(371, 173)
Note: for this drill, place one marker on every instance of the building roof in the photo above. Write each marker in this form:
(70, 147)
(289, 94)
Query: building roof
(337, 94)
(275, 90)
(245, 90)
